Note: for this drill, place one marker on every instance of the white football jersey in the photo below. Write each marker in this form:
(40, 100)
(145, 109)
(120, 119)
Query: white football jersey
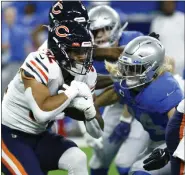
(16, 113)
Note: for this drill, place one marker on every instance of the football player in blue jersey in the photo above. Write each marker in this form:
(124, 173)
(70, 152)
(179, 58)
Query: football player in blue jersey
(175, 145)
(150, 92)
(108, 33)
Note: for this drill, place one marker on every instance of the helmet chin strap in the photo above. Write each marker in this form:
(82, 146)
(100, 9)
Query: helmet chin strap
(132, 82)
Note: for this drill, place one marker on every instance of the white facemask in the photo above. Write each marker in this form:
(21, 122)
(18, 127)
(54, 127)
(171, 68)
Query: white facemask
(79, 69)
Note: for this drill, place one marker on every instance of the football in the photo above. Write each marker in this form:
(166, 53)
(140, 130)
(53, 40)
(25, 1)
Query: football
(74, 113)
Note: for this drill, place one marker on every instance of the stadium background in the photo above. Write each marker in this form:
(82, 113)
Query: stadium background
(27, 34)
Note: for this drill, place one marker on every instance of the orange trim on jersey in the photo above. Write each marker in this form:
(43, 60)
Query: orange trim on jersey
(182, 168)
(40, 70)
(181, 131)
(8, 166)
(13, 159)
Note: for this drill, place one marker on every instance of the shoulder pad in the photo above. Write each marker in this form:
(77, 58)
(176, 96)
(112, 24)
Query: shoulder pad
(44, 45)
(91, 78)
(127, 36)
(41, 67)
(161, 95)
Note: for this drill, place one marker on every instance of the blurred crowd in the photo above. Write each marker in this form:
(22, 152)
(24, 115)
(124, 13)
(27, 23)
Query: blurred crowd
(24, 28)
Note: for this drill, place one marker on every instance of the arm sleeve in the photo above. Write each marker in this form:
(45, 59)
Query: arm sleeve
(37, 65)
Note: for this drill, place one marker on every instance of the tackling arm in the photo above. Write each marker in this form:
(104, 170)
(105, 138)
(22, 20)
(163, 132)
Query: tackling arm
(108, 97)
(110, 54)
(103, 81)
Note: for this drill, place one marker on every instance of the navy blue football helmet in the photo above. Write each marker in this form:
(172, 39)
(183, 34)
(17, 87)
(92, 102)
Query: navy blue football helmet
(72, 46)
(68, 10)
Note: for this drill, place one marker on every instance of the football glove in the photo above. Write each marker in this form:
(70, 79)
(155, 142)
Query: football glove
(154, 35)
(158, 159)
(82, 88)
(86, 105)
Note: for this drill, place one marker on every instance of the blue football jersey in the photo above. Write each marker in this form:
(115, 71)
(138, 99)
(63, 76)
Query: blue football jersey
(126, 37)
(151, 105)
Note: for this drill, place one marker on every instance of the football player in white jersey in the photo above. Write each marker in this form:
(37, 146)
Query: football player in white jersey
(33, 99)
(75, 10)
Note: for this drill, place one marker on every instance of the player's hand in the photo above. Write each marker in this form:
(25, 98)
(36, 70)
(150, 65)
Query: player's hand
(97, 144)
(120, 132)
(86, 105)
(82, 88)
(158, 159)
(154, 35)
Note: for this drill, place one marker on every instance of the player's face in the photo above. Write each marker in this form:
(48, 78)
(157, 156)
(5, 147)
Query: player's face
(131, 73)
(101, 36)
(80, 54)
(82, 59)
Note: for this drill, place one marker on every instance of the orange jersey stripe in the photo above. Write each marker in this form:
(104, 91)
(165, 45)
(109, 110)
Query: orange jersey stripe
(40, 70)
(181, 131)
(14, 159)
(182, 165)
(8, 166)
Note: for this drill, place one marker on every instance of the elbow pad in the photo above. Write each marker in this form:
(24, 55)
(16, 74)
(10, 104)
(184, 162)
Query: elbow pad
(93, 128)
(40, 115)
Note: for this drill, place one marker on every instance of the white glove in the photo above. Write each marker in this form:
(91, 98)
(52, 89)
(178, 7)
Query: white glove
(70, 91)
(86, 105)
(82, 88)
(92, 142)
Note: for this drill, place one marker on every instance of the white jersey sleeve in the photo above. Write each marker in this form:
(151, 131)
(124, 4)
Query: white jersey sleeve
(16, 112)
(39, 65)
(91, 79)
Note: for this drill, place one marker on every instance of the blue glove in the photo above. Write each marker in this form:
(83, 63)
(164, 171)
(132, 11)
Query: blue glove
(120, 132)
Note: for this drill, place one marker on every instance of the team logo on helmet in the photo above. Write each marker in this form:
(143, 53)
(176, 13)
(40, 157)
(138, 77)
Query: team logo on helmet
(62, 34)
(56, 12)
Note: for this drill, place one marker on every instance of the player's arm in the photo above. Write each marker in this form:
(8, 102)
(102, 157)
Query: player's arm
(171, 112)
(110, 54)
(43, 105)
(103, 81)
(108, 97)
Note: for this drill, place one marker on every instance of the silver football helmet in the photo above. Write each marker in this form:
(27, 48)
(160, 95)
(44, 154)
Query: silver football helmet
(140, 61)
(105, 25)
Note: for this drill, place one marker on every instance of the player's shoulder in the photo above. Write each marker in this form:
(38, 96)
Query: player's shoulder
(91, 78)
(42, 66)
(127, 36)
(132, 33)
(43, 46)
(162, 94)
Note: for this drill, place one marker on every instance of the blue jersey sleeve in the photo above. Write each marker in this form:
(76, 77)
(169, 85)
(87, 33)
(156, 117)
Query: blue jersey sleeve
(127, 36)
(161, 95)
(120, 92)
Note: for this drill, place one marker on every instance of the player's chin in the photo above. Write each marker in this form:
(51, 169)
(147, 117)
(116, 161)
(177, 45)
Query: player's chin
(74, 113)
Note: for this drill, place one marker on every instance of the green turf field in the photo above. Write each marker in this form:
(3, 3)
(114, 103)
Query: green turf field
(88, 152)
